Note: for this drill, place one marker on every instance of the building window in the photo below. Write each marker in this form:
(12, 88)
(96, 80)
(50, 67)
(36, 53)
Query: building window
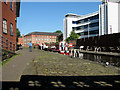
(6, 44)
(10, 45)
(4, 1)
(4, 26)
(15, 6)
(73, 22)
(36, 37)
(11, 29)
(11, 4)
(2, 42)
(13, 47)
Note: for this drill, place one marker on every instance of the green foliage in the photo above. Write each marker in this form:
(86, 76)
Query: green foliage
(67, 39)
(58, 31)
(73, 36)
(58, 37)
(46, 43)
(18, 34)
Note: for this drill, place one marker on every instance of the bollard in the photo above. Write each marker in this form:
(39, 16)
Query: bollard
(71, 52)
(74, 52)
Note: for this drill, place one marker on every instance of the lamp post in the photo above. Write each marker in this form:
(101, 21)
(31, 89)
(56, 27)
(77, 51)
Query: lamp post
(88, 27)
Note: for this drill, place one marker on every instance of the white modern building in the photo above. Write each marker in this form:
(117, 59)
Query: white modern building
(105, 21)
(67, 24)
(109, 20)
(85, 26)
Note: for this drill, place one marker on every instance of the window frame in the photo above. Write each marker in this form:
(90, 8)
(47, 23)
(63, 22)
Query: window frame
(11, 29)
(4, 26)
(11, 4)
(4, 1)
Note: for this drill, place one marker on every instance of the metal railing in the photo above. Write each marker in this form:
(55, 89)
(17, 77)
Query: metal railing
(86, 23)
(6, 44)
(85, 30)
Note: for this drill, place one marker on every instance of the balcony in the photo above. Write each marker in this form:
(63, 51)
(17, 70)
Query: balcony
(85, 30)
(86, 36)
(86, 23)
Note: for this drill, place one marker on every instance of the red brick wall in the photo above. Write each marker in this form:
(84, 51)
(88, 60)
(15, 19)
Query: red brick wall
(20, 41)
(10, 16)
(40, 39)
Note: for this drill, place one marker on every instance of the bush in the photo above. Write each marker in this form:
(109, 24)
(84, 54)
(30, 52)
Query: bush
(73, 36)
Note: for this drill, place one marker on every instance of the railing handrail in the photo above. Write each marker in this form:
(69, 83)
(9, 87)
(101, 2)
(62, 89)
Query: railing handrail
(6, 38)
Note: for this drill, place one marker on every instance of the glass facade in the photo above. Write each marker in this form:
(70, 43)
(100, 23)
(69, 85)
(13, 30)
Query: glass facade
(86, 19)
(89, 25)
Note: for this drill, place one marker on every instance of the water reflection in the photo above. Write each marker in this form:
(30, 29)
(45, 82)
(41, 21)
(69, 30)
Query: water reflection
(81, 55)
(112, 60)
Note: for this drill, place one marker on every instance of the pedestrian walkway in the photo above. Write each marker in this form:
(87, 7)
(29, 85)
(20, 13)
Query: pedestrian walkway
(46, 63)
(13, 69)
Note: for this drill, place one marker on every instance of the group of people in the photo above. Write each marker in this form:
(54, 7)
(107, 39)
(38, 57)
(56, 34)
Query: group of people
(42, 46)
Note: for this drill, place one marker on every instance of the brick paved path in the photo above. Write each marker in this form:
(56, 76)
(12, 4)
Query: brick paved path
(13, 69)
(53, 64)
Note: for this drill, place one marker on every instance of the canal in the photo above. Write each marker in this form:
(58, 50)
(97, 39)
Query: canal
(103, 59)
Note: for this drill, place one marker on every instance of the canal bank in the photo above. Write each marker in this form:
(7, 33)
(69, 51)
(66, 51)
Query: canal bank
(104, 58)
(101, 53)
(54, 64)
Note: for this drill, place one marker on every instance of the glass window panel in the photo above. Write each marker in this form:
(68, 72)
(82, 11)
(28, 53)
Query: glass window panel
(11, 4)
(11, 29)
(4, 26)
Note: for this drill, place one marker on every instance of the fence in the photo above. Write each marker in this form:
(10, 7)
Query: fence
(6, 44)
(111, 40)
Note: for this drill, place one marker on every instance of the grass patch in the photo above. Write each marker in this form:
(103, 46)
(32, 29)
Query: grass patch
(7, 60)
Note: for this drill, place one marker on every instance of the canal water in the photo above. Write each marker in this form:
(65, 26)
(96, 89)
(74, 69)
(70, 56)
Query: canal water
(103, 59)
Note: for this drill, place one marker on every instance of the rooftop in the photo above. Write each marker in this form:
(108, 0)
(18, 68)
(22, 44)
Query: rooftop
(42, 33)
(81, 16)
(72, 15)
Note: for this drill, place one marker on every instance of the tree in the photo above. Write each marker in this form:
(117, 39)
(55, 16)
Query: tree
(18, 34)
(67, 39)
(60, 36)
(73, 36)
(58, 31)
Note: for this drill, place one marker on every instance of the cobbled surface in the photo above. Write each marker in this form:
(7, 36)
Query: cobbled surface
(54, 64)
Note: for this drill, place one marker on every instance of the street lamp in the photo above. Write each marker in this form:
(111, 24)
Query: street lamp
(88, 27)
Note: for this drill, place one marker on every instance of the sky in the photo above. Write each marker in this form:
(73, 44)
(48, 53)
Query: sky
(48, 16)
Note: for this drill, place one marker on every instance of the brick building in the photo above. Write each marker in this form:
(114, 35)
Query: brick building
(38, 38)
(20, 39)
(10, 12)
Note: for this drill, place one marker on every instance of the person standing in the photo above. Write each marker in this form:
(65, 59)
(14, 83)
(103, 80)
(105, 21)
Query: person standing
(41, 46)
(30, 46)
